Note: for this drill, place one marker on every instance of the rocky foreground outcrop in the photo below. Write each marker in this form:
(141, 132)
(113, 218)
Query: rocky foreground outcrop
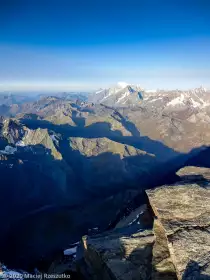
(167, 239)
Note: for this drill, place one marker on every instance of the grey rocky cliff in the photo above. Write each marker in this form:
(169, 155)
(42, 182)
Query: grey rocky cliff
(176, 246)
(184, 212)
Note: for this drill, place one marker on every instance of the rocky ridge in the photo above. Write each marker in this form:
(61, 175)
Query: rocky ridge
(176, 245)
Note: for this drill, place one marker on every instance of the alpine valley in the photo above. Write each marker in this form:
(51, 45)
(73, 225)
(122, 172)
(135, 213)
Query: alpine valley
(105, 165)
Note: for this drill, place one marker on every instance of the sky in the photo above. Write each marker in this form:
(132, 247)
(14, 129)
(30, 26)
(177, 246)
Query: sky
(83, 45)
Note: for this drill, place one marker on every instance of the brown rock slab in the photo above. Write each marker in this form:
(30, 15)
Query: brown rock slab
(195, 174)
(163, 267)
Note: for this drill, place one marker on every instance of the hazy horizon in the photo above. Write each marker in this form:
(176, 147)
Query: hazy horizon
(62, 88)
(82, 46)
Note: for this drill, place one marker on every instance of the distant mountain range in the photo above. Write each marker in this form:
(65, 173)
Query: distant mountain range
(124, 95)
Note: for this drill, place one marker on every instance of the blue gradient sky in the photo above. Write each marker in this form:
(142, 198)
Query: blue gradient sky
(85, 44)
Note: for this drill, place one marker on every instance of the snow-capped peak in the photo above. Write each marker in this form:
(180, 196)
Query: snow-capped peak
(122, 84)
(177, 101)
(99, 91)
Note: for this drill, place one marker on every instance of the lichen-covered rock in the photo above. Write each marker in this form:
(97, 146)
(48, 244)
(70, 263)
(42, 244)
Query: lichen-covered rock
(129, 252)
(117, 256)
(195, 174)
(178, 246)
(163, 267)
(183, 210)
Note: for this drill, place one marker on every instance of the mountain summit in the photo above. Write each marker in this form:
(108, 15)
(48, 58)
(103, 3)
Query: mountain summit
(121, 95)
(122, 84)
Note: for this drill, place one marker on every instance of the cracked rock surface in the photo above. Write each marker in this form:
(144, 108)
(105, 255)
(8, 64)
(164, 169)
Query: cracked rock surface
(176, 246)
(183, 210)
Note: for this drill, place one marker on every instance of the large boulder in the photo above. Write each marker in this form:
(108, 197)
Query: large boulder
(183, 210)
(117, 256)
(128, 252)
(177, 246)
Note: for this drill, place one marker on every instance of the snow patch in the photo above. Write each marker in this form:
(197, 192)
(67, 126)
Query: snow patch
(53, 137)
(8, 150)
(110, 93)
(99, 91)
(70, 251)
(205, 104)
(93, 229)
(20, 144)
(125, 101)
(195, 104)
(137, 216)
(176, 101)
(10, 274)
(76, 243)
(123, 96)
